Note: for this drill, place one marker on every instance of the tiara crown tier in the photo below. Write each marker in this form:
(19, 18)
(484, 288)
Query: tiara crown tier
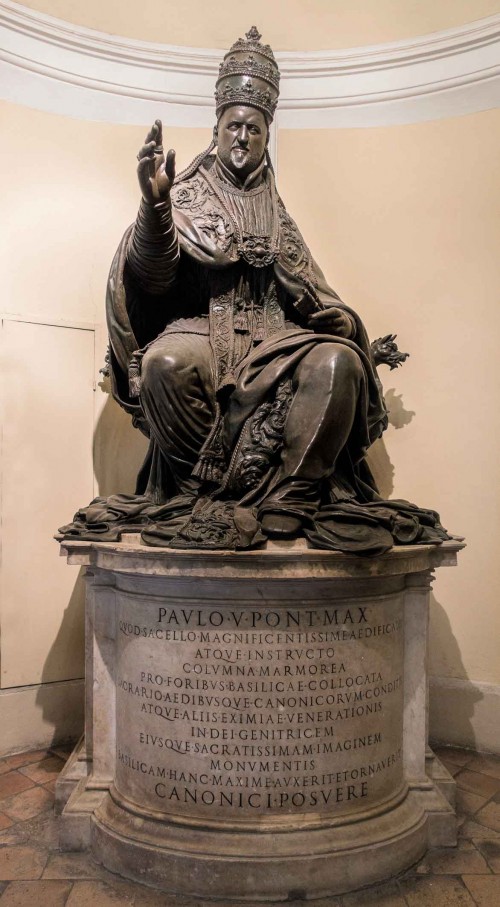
(248, 75)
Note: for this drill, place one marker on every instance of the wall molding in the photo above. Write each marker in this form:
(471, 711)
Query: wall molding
(26, 318)
(67, 69)
(464, 713)
(41, 715)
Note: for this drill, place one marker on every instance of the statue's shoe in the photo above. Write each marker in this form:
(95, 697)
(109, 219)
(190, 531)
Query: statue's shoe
(280, 526)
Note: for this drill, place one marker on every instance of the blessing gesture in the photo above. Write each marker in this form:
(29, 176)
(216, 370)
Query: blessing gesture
(156, 174)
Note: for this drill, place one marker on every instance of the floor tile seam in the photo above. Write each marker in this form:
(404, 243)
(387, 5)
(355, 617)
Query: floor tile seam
(35, 780)
(444, 877)
(43, 851)
(47, 807)
(4, 799)
(465, 770)
(474, 814)
(489, 865)
(24, 791)
(15, 771)
(487, 801)
(460, 878)
(466, 791)
(486, 860)
(401, 894)
(27, 753)
(476, 819)
(34, 881)
(469, 892)
(72, 882)
(479, 772)
(40, 783)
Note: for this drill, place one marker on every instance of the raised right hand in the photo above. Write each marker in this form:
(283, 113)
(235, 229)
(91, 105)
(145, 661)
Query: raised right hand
(156, 175)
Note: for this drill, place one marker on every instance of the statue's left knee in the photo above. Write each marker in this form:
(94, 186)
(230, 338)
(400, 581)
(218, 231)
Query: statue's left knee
(343, 362)
(349, 358)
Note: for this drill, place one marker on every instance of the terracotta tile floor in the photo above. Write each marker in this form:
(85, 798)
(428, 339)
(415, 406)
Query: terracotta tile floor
(35, 873)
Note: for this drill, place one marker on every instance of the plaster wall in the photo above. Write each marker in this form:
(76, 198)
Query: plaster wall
(285, 24)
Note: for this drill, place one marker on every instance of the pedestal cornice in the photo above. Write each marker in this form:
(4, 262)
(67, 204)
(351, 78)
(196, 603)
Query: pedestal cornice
(293, 560)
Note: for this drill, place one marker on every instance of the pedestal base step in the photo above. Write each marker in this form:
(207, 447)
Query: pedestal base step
(270, 866)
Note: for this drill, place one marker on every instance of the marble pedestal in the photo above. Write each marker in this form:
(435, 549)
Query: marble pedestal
(256, 721)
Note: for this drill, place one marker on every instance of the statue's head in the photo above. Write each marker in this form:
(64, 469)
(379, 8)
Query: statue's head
(246, 95)
(242, 134)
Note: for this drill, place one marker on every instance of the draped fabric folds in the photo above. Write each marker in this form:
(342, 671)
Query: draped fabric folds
(249, 399)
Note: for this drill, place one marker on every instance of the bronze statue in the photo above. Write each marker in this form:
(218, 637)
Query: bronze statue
(254, 382)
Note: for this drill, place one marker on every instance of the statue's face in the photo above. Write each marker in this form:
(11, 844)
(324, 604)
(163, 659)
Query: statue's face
(241, 139)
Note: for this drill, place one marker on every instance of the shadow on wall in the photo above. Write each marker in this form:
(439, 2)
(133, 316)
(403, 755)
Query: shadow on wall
(61, 703)
(452, 703)
(378, 457)
(119, 448)
(118, 452)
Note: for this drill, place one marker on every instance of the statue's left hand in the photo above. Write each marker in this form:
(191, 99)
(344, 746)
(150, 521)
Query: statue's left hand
(331, 321)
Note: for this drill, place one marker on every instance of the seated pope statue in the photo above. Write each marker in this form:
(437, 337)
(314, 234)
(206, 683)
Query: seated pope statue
(254, 383)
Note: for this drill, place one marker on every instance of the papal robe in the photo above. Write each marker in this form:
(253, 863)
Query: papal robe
(246, 282)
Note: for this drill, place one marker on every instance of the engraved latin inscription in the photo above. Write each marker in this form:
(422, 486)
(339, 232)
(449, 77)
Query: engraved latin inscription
(273, 710)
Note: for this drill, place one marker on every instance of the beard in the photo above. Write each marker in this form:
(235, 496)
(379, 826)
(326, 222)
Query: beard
(240, 161)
